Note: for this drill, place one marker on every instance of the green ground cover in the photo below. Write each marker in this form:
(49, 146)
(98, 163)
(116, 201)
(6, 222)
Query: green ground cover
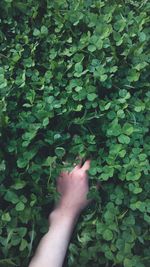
(75, 80)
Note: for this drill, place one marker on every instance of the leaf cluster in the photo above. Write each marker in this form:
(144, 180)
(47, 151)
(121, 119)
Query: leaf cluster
(74, 81)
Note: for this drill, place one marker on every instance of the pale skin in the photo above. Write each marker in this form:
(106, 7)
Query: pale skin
(73, 188)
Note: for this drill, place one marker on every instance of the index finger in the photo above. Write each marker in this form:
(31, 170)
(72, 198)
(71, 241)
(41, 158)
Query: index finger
(86, 165)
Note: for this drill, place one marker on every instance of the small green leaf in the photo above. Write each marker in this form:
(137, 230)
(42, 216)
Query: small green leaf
(124, 139)
(49, 161)
(60, 152)
(103, 77)
(124, 93)
(2, 166)
(91, 96)
(108, 235)
(21, 163)
(50, 99)
(133, 176)
(142, 157)
(137, 190)
(104, 176)
(44, 30)
(45, 122)
(6, 217)
(36, 32)
(78, 67)
(114, 129)
(138, 109)
(122, 153)
(19, 184)
(20, 206)
(142, 36)
(133, 75)
(128, 263)
(91, 48)
(23, 244)
(127, 128)
(107, 106)
(12, 197)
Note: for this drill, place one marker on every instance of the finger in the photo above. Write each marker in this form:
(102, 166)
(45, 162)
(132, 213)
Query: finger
(77, 167)
(80, 161)
(63, 173)
(58, 183)
(86, 165)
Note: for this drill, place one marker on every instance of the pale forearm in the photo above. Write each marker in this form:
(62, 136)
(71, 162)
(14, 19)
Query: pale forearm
(73, 188)
(53, 246)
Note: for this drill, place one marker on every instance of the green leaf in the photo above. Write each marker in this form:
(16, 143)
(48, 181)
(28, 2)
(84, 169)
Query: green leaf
(60, 152)
(50, 99)
(133, 176)
(3, 81)
(50, 160)
(105, 176)
(7, 262)
(23, 244)
(147, 218)
(45, 122)
(114, 129)
(142, 36)
(122, 153)
(2, 166)
(91, 96)
(6, 217)
(128, 262)
(44, 30)
(19, 184)
(108, 235)
(21, 163)
(100, 227)
(109, 216)
(78, 67)
(103, 77)
(127, 129)
(124, 139)
(142, 157)
(36, 32)
(133, 75)
(12, 197)
(137, 190)
(120, 114)
(20, 206)
(120, 24)
(107, 106)
(124, 94)
(21, 231)
(91, 48)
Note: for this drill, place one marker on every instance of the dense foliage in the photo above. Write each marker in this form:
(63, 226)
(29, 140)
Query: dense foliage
(74, 80)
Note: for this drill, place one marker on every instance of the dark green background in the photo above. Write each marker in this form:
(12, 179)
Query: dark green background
(74, 80)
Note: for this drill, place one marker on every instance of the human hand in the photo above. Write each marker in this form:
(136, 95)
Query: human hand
(73, 188)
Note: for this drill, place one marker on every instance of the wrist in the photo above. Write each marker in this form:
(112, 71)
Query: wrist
(60, 214)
